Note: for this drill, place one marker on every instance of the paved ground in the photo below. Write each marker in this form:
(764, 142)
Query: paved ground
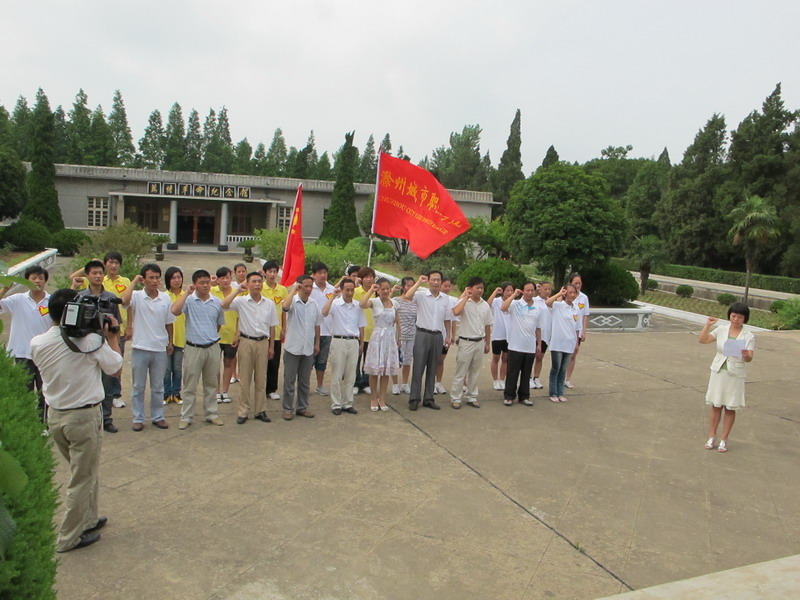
(610, 492)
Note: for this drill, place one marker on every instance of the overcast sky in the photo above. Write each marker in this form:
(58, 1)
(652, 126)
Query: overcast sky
(585, 74)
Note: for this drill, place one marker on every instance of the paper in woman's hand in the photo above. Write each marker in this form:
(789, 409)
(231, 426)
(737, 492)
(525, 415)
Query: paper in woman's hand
(733, 348)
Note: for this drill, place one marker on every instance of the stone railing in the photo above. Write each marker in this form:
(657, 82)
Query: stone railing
(620, 319)
(235, 239)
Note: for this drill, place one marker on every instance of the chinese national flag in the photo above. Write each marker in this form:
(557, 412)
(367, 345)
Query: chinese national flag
(411, 204)
(294, 257)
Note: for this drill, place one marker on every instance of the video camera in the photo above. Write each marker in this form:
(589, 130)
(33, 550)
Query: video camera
(88, 314)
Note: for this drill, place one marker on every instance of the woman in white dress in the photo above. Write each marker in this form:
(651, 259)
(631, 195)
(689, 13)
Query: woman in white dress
(726, 384)
(382, 359)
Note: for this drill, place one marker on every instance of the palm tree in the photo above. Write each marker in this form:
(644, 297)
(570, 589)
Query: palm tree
(754, 224)
(648, 251)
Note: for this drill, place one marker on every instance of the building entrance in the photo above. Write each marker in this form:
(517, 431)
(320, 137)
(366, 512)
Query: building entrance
(196, 227)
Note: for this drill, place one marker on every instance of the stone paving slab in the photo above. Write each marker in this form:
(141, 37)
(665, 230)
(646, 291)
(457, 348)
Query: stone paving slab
(609, 492)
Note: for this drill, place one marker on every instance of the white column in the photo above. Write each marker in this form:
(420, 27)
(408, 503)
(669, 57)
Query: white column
(173, 225)
(223, 229)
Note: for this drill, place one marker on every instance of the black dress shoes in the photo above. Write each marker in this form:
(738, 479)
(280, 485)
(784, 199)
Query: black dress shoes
(262, 416)
(240, 420)
(431, 404)
(350, 410)
(86, 539)
(101, 522)
(413, 404)
(110, 428)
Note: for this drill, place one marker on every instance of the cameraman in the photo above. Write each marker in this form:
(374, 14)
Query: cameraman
(108, 304)
(72, 388)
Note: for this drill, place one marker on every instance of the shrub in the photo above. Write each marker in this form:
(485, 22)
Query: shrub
(494, 271)
(684, 291)
(333, 256)
(652, 284)
(777, 305)
(409, 262)
(608, 284)
(789, 313)
(68, 241)
(726, 299)
(271, 244)
(126, 238)
(27, 234)
(29, 568)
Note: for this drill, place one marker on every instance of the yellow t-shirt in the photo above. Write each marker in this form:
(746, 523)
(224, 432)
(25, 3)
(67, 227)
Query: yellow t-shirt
(278, 295)
(117, 287)
(179, 326)
(228, 331)
(357, 296)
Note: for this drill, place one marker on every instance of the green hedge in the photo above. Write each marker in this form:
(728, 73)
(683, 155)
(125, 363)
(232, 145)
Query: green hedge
(789, 285)
(29, 568)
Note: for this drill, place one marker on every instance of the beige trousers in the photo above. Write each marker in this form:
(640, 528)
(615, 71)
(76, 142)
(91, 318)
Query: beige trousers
(200, 365)
(252, 357)
(468, 365)
(342, 361)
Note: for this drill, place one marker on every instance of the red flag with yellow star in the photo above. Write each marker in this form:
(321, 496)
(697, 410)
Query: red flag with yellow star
(294, 257)
(412, 205)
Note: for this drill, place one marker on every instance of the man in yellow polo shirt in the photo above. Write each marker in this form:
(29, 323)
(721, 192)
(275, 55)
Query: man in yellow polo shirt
(366, 276)
(275, 292)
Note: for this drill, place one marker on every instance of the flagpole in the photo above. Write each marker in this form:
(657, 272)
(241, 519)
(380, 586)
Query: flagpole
(374, 210)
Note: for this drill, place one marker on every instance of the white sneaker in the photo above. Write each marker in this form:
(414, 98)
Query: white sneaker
(118, 403)
(568, 385)
(438, 388)
(405, 388)
(531, 384)
(395, 389)
(234, 380)
(225, 398)
(537, 384)
(367, 390)
(355, 391)
(274, 396)
(498, 384)
(322, 391)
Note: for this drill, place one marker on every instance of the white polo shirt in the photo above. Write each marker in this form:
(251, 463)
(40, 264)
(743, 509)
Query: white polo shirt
(475, 318)
(150, 319)
(321, 297)
(523, 322)
(545, 319)
(500, 320)
(28, 319)
(255, 318)
(71, 379)
(302, 319)
(346, 318)
(432, 310)
(582, 302)
(565, 322)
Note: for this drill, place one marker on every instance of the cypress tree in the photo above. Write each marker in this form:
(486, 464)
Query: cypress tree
(275, 163)
(324, 170)
(386, 145)
(80, 125)
(193, 143)
(368, 168)
(21, 129)
(5, 128)
(61, 131)
(509, 170)
(341, 224)
(152, 143)
(242, 163)
(13, 193)
(550, 158)
(175, 140)
(663, 158)
(42, 205)
(259, 160)
(100, 145)
(121, 131)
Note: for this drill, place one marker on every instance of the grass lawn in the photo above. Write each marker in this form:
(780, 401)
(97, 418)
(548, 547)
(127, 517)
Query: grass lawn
(758, 318)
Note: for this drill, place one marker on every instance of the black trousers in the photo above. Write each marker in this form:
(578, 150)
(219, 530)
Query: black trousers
(362, 379)
(273, 365)
(35, 382)
(518, 375)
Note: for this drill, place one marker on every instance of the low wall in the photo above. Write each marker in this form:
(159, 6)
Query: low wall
(620, 319)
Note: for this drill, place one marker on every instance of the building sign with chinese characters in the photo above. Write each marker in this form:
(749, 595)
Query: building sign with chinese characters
(199, 190)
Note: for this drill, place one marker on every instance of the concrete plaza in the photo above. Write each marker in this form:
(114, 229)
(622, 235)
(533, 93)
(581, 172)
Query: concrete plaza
(609, 492)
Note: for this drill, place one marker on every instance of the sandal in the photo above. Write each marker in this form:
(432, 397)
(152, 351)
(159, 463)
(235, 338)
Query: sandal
(723, 446)
(710, 444)
(373, 405)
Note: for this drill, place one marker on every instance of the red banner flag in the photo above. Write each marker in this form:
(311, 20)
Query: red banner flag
(294, 256)
(412, 205)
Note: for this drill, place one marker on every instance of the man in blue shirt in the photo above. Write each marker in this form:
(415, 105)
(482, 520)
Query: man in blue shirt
(204, 317)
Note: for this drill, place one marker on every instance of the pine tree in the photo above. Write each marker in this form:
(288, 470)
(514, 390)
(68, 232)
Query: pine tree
(324, 170)
(242, 163)
(193, 143)
(461, 166)
(13, 193)
(175, 140)
(275, 163)
(341, 224)
(61, 136)
(368, 167)
(152, 143)
(80, 125)
(259, 160)
(551, 158)
(386, 145)
(100, 145)
(509, 170)
(121, 131)
(401, 154)
(663, 158)
(42, 205)
(5, 128)
(21, 129)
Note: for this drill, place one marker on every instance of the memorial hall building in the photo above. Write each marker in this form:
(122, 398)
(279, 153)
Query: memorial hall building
(208, 209)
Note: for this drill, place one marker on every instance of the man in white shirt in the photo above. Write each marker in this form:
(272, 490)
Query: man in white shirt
(29, 318)
(301, 344)
(474, 341)
(347, 328)
(74, 391)
(150, 328)
(582, 302)
(433, 308)
(321, 293)
(545, 324)
(258, 319)
(524, 341)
